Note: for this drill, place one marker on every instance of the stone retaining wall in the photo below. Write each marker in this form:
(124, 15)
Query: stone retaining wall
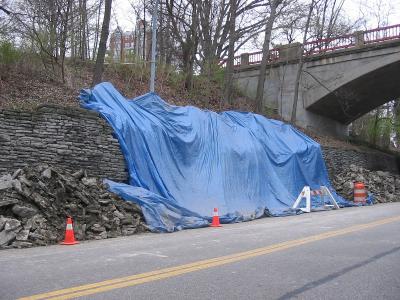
(338, 160)
(74, 138)
(71, 138)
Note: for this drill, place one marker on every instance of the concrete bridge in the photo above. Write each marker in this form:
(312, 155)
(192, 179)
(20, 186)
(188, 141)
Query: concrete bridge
(343, 78)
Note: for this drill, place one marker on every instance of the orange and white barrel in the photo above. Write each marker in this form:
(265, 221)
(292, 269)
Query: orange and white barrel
(360, 193)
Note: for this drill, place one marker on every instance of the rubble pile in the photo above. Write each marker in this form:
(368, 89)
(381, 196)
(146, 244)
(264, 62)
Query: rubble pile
(35, 202)
(384, 186)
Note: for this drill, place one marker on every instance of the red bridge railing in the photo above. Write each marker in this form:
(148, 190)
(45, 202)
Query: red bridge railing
(255, 57)
(329, 45)
(322, 46)
(382, 34)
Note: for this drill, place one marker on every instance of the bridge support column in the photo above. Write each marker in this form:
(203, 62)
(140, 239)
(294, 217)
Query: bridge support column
(359, 38)
(244, 59)
(289, 52)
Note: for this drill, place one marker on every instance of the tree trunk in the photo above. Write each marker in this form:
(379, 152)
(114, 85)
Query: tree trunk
(168, 43)
(144, 30)
(72, 32)
(300, 67)
(98, 69)
(121, 49)
(96, 37)
(53, 34)
(189, 76)
(83, 30)
(190, 47)
(160, 33)
(231, 53)
(208, 65)
(64, 35)
(87, 39)
(265, 56)
(188, 62)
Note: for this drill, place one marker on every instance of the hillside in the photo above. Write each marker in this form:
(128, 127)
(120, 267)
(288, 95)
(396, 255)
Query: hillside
(25, 87)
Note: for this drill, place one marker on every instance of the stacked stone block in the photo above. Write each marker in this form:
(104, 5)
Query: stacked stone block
(74, 138)
(339, 160)
(70, 138)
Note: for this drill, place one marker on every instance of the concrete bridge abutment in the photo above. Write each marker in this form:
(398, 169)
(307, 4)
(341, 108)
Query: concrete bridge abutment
(278, 97)
(336, 86)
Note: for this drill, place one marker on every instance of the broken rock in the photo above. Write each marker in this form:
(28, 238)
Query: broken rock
(22, 235)
(24, 211)
(6, 237)
(40, 198)
(12, 224)
(384, 186)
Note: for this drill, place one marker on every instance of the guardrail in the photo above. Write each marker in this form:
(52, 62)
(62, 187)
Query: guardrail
(321, 46)
(329, 45)
(382, 34)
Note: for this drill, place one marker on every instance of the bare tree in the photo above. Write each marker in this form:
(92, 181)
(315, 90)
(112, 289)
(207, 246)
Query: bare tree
(3, 20)
(63, 37)
(328, 20)
(376, 13)
(97, 29)
(324, 20)
(183, 16)
(231, 52)
(5, 9)
(83, 51)
(99, 66)
(265, 53)
(55, 30)
(289, 23)
(47, 26)
(301, 62)
(214, 29)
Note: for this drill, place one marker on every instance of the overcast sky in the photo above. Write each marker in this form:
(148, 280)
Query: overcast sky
(126, 18)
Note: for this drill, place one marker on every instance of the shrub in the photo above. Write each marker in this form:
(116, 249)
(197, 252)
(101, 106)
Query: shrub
(9, 55)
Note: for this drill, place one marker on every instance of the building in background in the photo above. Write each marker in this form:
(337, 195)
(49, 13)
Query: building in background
(131, 46)
(143, 40)
(121, 45)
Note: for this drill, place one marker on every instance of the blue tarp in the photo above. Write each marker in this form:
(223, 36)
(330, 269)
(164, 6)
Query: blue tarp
(184, 161)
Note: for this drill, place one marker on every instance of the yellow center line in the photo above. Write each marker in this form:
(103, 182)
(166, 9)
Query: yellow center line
(128, 281)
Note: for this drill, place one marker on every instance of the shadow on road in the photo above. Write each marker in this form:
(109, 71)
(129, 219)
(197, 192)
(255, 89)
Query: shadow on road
(332, 276)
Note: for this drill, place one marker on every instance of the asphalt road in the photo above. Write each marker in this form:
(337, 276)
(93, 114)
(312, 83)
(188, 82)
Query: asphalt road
(352, 253)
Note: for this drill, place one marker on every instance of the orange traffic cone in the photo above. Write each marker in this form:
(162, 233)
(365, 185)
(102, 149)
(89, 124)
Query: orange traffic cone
(215, 219)
(69, 234)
